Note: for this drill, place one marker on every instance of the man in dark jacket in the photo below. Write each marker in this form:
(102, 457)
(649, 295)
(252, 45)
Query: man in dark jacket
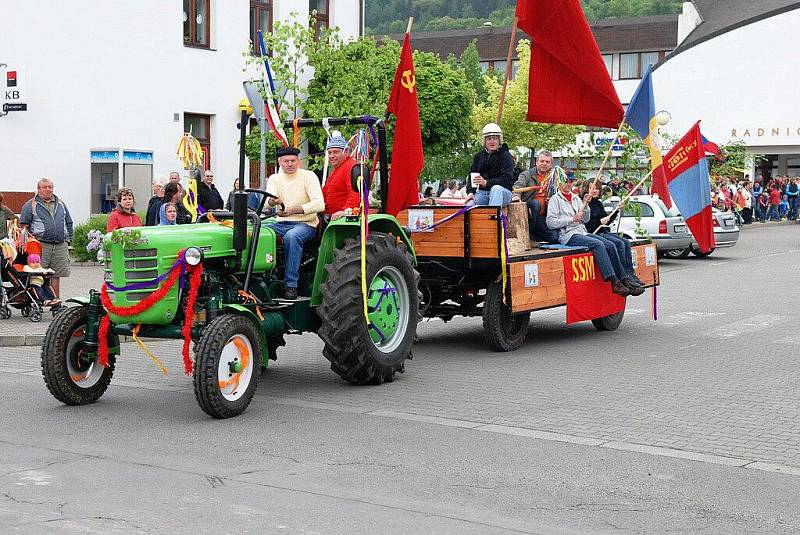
(47, 218)
(492, 171)
(207, 195)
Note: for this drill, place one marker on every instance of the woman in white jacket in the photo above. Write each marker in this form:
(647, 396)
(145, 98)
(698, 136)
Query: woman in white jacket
(568, 213)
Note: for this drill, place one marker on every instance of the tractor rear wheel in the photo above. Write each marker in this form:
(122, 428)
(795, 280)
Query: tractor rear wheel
(361, 353)
(609, 323)
(71, 375)
(503, 330)
(227, 366)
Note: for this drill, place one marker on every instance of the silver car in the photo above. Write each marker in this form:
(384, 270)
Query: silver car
(664, 225)
(726, 234)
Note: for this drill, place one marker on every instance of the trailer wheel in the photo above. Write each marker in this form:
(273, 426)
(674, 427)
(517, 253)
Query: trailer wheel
(71, 376)
(609, 323)
(503, 330)
(227, 367)
(359, 353)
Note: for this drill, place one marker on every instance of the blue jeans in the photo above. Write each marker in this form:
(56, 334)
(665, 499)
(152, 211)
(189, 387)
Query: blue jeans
(536, 223)
(623, 251)
(497, 196)
(793, 207)
(294, 236)
(605, 253)
(773, 210)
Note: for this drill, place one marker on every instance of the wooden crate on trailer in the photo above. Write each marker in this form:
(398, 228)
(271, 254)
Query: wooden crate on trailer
(480, 224)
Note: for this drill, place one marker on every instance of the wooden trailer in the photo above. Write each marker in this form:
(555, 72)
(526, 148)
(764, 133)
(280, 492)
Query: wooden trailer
(460, 260)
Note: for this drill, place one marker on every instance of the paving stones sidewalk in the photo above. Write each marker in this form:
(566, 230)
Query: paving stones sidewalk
(20, 331)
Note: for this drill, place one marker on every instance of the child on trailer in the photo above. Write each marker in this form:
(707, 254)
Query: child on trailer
(37, 283)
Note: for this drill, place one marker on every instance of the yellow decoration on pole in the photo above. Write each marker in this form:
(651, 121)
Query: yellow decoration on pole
(189, 151)
(363, 230)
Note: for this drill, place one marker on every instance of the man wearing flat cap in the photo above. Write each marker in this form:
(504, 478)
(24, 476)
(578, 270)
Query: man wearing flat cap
(299, 192)
(341, 188)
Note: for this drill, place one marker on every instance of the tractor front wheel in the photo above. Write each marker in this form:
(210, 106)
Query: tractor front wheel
(228, 363)
(72, 374)
(503, 330)
(363, 352)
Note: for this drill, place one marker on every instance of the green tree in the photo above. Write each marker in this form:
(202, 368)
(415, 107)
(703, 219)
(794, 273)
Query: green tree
(470, 62)
(517, 131)
(356, 77)
(734, 160)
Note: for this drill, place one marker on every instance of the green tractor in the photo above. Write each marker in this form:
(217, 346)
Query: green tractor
(237, 322)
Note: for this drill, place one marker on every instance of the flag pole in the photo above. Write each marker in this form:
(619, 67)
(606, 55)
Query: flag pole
(410, 22)
(508, 71)
(627, 197)
(608, 152)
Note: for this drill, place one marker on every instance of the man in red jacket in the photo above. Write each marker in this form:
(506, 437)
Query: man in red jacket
(341, 188)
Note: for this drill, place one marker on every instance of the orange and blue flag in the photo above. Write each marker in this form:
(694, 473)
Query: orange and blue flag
(641, 116)
(686, 169)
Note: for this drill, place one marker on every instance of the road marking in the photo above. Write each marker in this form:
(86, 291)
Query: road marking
(682, 318)
(543, 435)
(749, 325)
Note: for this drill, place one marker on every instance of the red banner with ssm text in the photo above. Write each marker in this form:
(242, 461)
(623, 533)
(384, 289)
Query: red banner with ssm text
(588, 295)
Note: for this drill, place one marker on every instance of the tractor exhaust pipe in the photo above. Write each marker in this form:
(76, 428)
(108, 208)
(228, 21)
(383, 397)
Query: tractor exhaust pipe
(240, 197)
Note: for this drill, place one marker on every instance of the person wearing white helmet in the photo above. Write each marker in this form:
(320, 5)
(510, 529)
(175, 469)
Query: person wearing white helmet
(493, 169)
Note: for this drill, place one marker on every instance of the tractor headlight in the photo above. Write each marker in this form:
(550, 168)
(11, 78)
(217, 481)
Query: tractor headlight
(193, 256)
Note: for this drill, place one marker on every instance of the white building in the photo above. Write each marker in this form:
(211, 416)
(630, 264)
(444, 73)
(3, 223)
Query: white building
(737, 69)
(111, 86)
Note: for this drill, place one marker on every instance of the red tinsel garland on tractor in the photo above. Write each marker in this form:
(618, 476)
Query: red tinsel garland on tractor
(175, 272)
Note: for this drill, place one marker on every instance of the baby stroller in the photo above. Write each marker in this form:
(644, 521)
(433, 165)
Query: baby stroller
(16, 290)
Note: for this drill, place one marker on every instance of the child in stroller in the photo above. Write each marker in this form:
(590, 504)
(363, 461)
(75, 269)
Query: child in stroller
(26, 286)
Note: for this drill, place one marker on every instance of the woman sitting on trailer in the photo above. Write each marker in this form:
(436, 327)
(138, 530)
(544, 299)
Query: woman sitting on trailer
(599, 220)
(568, 214)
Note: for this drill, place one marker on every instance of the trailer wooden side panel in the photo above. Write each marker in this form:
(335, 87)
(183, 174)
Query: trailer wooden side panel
(539, 284)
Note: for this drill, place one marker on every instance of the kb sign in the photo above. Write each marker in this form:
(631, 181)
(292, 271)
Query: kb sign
(12, 93)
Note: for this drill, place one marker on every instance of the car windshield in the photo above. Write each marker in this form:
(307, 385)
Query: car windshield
(669, 212)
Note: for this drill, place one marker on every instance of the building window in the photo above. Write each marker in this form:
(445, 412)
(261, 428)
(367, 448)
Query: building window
(200, 128)
(634, 65)
(609, 61)
(260, 20)
(628, 66)
(197, 23)
(322, 15)
(647, 58)
(484, 66)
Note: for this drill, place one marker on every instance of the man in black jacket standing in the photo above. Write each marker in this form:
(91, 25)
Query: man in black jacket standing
(207, 195)
(492, 171)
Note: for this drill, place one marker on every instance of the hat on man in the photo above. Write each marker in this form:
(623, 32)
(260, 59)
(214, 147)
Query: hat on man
(287, 151)
(336, 142)
(571, 176)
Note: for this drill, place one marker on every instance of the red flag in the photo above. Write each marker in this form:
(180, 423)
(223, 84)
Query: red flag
(588, 295)
(407, 156)
(568, 81)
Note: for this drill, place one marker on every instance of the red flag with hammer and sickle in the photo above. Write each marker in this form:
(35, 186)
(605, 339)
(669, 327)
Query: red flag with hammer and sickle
(407, 157)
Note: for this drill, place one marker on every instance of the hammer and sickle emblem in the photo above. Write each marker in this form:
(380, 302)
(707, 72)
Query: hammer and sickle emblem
(408, 81)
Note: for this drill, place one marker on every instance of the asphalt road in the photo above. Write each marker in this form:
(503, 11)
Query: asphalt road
(687, 424)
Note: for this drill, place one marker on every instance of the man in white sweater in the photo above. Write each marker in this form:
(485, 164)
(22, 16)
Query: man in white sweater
(567, 213)
(300, 193)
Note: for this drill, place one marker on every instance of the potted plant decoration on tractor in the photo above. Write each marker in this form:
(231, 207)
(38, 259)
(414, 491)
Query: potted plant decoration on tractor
(214, 283)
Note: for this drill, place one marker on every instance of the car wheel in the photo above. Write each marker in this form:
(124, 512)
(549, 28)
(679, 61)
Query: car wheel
(701, 254)
(678, 253)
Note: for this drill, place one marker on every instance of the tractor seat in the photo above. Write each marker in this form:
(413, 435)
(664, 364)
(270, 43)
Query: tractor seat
(324, 219)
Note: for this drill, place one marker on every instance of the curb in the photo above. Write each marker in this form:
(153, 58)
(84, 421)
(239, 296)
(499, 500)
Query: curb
(21, 340)
(771, 224)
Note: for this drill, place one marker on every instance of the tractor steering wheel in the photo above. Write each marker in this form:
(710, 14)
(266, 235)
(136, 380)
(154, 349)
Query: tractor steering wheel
(264, 200)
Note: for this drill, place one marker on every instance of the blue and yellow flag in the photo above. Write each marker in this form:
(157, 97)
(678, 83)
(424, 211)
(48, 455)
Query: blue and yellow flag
(641, 116)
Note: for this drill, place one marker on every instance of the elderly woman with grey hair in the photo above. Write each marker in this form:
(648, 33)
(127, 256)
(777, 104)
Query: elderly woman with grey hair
(153, 207)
